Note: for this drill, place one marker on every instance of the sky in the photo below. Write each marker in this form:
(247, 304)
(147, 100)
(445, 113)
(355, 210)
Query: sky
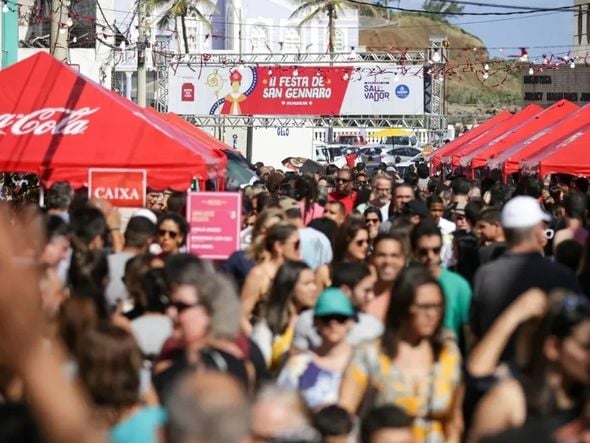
(538, 32)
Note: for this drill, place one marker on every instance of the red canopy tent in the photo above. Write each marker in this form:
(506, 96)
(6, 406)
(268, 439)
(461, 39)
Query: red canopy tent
(459, 142)
(542, 140)
(57, 123)
(570, 156)
(550, 116)
(516, 121)
(207, 146)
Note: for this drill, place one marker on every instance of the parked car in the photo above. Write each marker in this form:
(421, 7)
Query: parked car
(404, 154)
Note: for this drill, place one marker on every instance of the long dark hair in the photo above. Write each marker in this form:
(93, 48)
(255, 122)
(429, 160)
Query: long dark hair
(276, 311)
(398, 317)
(566, 312)
(344, 235)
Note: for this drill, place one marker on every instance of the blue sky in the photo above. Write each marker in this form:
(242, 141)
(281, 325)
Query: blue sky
(539, 32)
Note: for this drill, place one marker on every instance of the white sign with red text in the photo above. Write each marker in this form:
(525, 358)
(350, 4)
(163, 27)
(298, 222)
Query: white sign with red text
(124, 188)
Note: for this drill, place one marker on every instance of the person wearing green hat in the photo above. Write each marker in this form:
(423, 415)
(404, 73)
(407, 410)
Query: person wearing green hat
(317, 373)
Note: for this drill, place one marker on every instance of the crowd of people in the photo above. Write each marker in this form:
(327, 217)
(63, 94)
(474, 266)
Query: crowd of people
(361, 306)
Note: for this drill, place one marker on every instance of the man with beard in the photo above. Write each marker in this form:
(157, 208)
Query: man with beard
(381, 197)
(344, 192)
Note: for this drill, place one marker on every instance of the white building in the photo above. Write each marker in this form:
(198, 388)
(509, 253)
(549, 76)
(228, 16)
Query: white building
(235, 26)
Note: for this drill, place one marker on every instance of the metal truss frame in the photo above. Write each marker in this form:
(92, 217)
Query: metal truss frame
(428, 122)
(434, 121)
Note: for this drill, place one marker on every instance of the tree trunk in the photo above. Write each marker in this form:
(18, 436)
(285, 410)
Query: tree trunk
(330, 28)
(184, 36)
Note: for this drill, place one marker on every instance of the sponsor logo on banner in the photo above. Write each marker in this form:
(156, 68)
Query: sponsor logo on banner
(188, 92)
(121, 187)
(304, 90)
(47, 121)
(402, 91)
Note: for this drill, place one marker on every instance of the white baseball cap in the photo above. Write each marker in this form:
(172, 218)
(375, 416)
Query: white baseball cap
(144, 212)
(523, 212)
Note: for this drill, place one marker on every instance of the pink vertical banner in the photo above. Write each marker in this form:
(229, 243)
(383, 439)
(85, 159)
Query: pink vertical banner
(214, 223)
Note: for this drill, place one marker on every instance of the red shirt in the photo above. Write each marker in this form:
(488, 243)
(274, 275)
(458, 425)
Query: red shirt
(347, 200)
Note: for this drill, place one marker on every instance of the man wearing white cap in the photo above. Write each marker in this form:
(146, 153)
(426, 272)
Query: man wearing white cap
(522, 267)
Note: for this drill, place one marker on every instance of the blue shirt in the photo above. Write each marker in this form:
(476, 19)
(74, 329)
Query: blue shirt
(141, 427)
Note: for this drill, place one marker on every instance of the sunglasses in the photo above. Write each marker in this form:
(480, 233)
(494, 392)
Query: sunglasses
(342, 180)
(327, 319)
(423, 252)
(181, 306)
(372, 220)
(171, 234)
(361, 242)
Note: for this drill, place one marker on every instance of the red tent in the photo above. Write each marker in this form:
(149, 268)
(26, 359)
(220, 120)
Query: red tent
(542, 140)
(513, 122)
(460, 141)
(57, 123)
(208, 145)
(550, 116)
(570, 156)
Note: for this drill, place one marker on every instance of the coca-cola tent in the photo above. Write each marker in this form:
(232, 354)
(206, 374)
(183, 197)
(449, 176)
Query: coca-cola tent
(550, 116)
(57, 123)
(510, 159)
(464, 155)
(465, 138)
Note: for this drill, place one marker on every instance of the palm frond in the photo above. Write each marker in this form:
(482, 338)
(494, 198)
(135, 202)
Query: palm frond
(309, 7)
(310, 17)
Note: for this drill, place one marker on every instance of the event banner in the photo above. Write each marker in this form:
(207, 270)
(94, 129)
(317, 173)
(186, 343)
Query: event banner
(296, 90)
(124, 188)
(215, 223)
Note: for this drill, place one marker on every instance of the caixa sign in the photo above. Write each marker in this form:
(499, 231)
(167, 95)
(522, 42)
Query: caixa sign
(124, 188)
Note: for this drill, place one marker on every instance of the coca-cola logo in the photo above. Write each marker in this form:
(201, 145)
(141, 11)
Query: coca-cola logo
(47, 121)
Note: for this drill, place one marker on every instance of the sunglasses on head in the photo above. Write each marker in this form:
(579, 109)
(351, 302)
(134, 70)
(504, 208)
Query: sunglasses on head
(338, 318)
(171, 234)
(423, 252)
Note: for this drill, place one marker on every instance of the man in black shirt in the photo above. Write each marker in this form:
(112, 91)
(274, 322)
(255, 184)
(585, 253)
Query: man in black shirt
(522, 266)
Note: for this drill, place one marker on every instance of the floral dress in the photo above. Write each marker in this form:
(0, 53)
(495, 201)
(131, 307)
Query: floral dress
(430, 403)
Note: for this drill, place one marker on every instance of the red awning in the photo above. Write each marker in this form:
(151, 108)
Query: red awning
(203, 144)
(541, 141)
(452, 147)
(570, 156)
(57, 123)
(507, 125)
(550, 116)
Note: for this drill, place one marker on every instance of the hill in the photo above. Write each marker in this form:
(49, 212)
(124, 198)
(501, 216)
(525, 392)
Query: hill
(469, 96)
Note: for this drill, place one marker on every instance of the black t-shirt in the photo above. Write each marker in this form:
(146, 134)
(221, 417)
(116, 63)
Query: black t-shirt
(491, 252)
(499, 283)
(210, 358)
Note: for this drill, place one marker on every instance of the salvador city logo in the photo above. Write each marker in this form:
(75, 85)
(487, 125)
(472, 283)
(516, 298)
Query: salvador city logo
(402, 91)
(47, 121)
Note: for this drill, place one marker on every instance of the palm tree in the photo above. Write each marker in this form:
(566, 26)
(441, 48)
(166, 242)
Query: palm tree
(180, 9)
(314, 8)
(448, 8)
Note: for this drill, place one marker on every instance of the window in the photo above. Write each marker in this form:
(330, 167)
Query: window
(259, 38)
(292, 41)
